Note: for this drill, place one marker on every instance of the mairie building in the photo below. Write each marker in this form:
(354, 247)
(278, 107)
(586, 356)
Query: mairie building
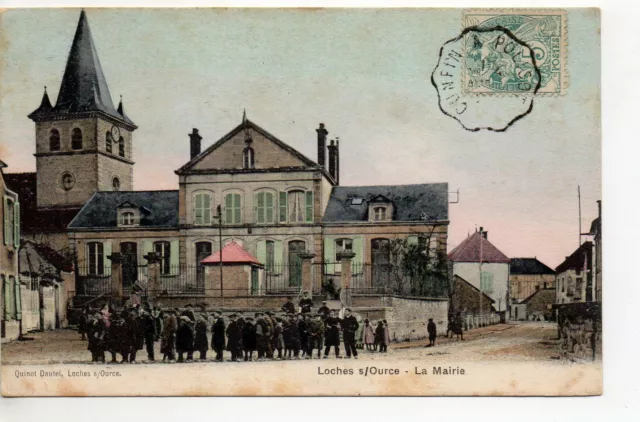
(249, 187)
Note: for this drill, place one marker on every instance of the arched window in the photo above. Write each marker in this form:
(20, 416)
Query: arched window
(163, 249)
(54, 140)
(232, 208)
(109, 142)
(121, 147)
(116, 184)
(202, 209)
(76, 139)
(248, 159)
(379, 213)
(264, 205)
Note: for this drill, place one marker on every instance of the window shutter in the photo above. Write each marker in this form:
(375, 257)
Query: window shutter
(268, 203)
(329, 254)
(309, 206)
(228, 212)
(106, 251)
(7, 289)
(358, 249)
(7, 221)
(277, 254)
(261, 251)
(258, 205)
(18, 298)
(237, 209)
(198, 209)
(174, 256)
(206, 214)
(283, 207)
(16, 224)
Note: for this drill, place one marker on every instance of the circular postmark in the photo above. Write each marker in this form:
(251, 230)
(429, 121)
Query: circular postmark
(486, 78)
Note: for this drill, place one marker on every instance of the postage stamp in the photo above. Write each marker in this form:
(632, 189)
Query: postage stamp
(489, 70)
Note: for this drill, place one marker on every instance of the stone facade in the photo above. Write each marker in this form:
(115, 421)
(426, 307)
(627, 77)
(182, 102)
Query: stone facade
(11, 286)
(466, 298)
(92, 167)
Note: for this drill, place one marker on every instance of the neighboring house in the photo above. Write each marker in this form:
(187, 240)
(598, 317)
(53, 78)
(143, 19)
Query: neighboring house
(83, 146)
(467, 299)
(596, 232)
(11, 287)
(484, 266)
(574, 281)
(47, 278)
(526, 276)
(536, 306)
(132, 224)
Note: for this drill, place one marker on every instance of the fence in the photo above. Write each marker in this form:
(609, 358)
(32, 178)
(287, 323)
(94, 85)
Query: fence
(367, 278)
(277, 279)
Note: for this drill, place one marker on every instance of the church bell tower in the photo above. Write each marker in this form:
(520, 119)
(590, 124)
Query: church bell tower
(83, 143)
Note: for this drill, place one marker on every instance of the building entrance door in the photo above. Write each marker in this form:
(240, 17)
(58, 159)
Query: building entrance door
(296, 247)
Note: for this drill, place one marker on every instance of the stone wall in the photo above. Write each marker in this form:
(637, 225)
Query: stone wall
(408, 317)
(580, 330)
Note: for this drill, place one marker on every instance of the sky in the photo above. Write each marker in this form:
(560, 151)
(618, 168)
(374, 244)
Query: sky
(364, 73)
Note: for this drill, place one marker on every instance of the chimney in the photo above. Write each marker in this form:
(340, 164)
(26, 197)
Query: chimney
(337, 158)
(322, 144)
(484, 234)
(195, 139)
(334, 160)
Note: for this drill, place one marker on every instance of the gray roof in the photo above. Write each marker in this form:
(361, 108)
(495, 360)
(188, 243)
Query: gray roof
(161, 209)
(84, 86)
(422, 202)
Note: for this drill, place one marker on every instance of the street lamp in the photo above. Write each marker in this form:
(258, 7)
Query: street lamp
(218, 217)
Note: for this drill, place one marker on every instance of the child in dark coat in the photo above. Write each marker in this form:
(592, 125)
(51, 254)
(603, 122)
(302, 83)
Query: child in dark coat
(184, 339)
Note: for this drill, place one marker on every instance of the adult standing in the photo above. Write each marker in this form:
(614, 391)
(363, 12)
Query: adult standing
(262, 336)
(304, 333)
(201, 343)
(218, 335)
(248, 339)
(431, 329)
(332, 335)
(168, 337)
(184, 339)
(234, 336)
(324, 309)
(149, 332)
(349, 326)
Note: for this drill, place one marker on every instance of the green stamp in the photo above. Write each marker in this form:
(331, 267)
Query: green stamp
(488, 69)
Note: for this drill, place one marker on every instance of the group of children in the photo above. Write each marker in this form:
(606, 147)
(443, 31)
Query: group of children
(285, 336)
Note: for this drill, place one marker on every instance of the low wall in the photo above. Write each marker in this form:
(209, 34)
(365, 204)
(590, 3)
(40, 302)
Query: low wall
(478, 321)
(408, 317)
(580, 330)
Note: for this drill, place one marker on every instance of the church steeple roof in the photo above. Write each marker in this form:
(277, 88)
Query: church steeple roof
(45, 104)
(84, 86)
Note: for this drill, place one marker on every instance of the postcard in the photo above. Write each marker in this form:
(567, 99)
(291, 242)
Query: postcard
(300, 202)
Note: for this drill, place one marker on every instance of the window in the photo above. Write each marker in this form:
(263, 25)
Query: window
(486, 282)
(248, 158)
(95, 252)
(116, 184)
(127, 219)
(109, 142)
(356, 200)
(232, 209)
(264, 207)
(76, 139)
(121, 147)
(163, 249)
(379, 214)
(202, 209)
(299, 206)
(54, 140)
(343, 245)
